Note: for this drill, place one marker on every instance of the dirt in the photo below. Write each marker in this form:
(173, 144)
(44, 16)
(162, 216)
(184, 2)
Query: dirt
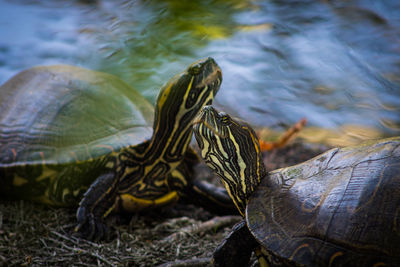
(184, 235)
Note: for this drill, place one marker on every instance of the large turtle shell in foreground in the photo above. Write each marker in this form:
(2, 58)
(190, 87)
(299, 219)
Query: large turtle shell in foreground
(341, 208)
(63, 114)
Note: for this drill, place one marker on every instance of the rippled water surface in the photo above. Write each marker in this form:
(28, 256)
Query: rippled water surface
(336, 63)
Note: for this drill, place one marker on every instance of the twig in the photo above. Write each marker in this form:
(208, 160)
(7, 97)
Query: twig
(82, 251)
(43, 242)
(198, 262)
(209, 225)
(74, 240)
(284, 139)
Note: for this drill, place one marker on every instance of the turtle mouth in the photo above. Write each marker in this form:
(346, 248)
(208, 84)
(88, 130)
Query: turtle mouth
(212, 79)
(206, 123)
(218, 81)
(209, 72)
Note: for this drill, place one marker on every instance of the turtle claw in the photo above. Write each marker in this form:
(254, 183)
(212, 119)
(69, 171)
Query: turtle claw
(91, 227)
(235, 250)
(94, 207)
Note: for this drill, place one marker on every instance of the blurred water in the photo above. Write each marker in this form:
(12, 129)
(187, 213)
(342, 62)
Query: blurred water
(334, 62)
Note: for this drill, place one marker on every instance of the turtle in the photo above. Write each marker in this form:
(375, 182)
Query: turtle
(71, 136)
(340, 208)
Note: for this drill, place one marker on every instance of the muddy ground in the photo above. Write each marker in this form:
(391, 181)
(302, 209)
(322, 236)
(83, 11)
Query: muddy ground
(184, 235)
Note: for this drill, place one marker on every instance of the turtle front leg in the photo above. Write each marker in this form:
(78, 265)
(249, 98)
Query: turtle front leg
(98, 201)
(212, 198)
(235, 250)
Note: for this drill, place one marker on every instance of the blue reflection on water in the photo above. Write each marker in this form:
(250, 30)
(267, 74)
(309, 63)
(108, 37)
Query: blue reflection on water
(333, 62)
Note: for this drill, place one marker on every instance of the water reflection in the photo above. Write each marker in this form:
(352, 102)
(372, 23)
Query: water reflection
(145, 41)
(334, 62)
(315, 45)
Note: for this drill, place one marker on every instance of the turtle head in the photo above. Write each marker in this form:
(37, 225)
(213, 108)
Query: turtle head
(187, 92)
(179, 102)
(231, 148)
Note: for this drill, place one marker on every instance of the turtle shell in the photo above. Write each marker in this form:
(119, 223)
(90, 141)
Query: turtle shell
(339, 208)
(62, 114)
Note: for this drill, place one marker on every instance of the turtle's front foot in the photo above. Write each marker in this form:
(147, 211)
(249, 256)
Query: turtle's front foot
(96, 204)
(91, 227)
(235, 250)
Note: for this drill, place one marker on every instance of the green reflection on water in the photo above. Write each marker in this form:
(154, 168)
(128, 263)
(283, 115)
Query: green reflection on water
(334, 62)
(149, 41)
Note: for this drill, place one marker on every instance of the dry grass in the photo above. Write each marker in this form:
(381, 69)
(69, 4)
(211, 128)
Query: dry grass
(35, 235)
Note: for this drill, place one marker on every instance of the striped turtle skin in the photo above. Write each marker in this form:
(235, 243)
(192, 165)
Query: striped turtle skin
(75, 137)
(341, 208)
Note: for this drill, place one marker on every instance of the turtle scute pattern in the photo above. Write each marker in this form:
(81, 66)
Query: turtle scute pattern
(341, 208)
(52, 131)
